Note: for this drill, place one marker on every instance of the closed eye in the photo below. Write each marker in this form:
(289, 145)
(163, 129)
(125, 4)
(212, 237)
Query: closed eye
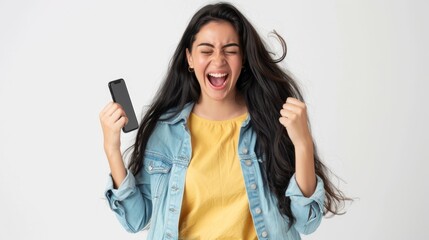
(231, 50)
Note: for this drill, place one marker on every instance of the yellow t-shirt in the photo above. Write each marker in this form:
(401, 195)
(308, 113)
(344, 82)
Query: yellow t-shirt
(215, 204)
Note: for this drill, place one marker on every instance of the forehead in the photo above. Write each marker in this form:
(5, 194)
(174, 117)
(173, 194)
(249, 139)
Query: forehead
(217, 32)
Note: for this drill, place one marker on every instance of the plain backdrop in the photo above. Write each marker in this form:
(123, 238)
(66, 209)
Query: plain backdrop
(362, 66)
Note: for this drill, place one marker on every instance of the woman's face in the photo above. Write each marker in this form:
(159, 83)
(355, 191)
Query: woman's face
(216, 58)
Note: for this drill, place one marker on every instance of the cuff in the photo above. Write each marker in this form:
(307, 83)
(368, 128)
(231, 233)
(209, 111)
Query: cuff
(126, 188)
(294, 192)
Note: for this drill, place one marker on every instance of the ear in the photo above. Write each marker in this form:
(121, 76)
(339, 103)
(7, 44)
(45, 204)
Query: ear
(189, 57)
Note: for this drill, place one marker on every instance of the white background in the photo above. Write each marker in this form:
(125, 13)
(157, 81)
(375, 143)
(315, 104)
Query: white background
(362, 66)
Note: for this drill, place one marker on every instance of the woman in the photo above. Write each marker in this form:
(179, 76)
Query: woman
(224, 151)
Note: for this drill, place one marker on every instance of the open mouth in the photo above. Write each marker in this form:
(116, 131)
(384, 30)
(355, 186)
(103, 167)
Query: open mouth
(217, 80)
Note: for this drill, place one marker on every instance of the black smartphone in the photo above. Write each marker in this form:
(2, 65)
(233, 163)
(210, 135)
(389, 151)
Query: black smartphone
(120, 95)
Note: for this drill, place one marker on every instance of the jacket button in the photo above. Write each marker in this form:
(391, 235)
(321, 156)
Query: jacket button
(245, 150)
(264, 234)
(253, 186)
(248, 162)
(258, 211)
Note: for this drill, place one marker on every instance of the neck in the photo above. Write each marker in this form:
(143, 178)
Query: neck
(220, 110)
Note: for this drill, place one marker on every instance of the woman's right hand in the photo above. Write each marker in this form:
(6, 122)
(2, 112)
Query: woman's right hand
(113, 119)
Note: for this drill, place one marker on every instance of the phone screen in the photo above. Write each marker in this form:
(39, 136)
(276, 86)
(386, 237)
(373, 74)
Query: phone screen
(120, 95)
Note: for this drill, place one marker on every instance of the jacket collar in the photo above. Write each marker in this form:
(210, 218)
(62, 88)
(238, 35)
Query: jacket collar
(184, 115)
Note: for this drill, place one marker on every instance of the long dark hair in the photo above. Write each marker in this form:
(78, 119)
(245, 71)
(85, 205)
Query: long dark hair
(264, 86)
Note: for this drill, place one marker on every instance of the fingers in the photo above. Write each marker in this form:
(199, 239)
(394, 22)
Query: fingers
(292, 110)
(113, 119)
(116, 115)
(121, 122)
(109, 105)
(287, 113)
(286, 116)
(113, 115)
(110, 108)
(294, 105)
(109, 111)
(284, 121)
(294, 119)
(295, 101)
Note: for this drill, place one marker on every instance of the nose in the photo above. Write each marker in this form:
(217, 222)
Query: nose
(219, 59)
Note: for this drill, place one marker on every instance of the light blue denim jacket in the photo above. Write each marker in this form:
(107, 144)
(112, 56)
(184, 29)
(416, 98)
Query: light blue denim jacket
(153, 198)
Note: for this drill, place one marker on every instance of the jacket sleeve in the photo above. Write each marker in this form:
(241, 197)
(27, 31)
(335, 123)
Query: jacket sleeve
(307, 211)
(131, 202)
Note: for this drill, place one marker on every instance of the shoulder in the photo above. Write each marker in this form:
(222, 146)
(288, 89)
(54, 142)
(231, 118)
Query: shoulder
(170, 140)
(170, 130)
(176, 114)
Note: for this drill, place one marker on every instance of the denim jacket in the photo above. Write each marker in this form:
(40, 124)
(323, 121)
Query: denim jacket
(153, 198)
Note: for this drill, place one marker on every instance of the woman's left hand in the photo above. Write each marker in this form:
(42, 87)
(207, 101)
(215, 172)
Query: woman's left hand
(294, 119)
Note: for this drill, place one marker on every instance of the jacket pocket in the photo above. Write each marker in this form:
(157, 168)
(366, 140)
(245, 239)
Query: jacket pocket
(158, 171)
(156, 163)
(156, 167)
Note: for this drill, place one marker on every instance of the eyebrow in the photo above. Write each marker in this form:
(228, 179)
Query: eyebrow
(224, 46)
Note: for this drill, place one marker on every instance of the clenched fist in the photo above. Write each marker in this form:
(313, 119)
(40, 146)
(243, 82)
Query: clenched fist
(294, 119)
(113, 119)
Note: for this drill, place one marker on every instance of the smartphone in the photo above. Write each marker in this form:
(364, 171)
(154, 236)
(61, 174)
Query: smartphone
(120, 95)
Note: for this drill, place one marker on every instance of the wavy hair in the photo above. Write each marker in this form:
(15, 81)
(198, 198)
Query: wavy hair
(264, 86)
